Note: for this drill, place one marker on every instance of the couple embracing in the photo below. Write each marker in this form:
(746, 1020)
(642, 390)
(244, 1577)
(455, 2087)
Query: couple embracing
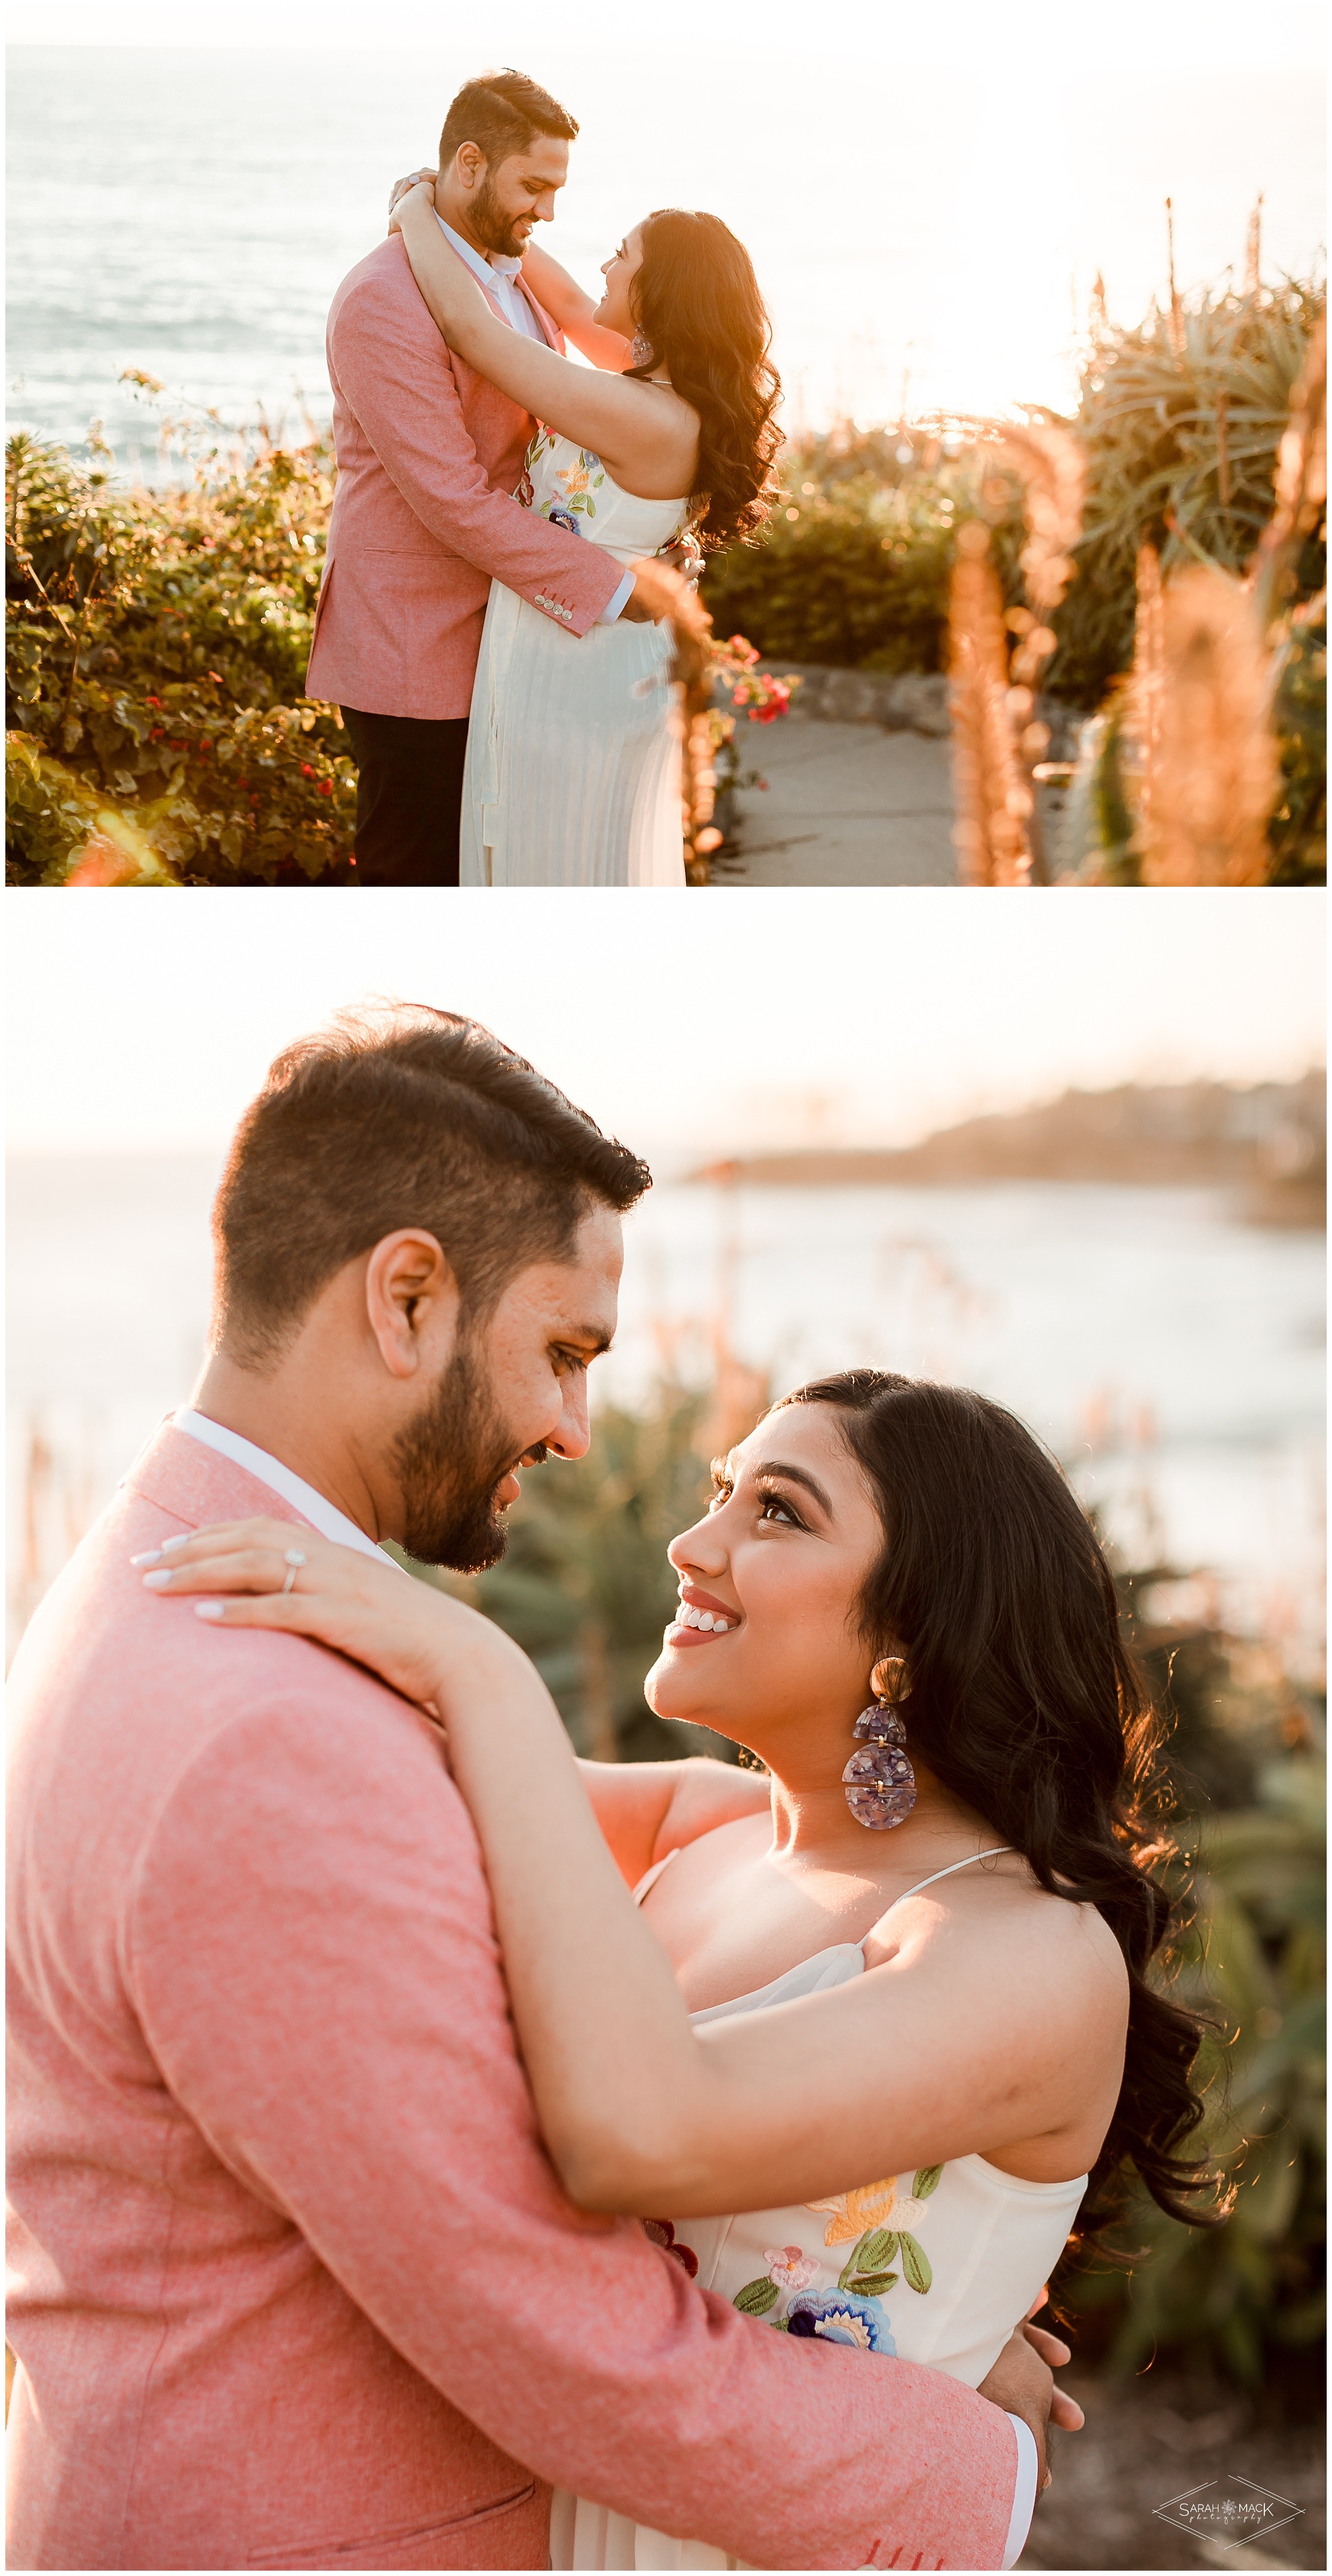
(508, 526)
(429, 2150)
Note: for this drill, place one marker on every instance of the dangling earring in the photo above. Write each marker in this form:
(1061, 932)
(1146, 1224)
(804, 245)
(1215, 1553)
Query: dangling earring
(640, 350)
(880, 1783)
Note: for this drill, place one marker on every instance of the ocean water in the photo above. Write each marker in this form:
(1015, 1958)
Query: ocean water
(1171, 1355)
(926, 231)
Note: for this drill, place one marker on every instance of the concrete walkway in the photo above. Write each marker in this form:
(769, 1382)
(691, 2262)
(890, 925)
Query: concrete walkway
(847, 804)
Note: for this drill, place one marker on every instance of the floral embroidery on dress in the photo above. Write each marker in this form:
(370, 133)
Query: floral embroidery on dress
(789, 2266)
(838, 2316)
(850, 2212)
(878, 2245)
(660, 2231)
(575, 501)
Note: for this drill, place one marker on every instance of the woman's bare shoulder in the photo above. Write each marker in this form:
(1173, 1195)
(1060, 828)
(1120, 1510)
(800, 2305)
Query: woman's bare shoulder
(1017, 1928)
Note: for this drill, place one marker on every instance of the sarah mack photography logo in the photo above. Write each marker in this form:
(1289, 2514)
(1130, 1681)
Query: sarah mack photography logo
(1229, 2512)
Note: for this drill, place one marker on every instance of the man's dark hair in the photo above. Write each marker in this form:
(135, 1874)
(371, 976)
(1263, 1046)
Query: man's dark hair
(500, 112)
(404, 1116)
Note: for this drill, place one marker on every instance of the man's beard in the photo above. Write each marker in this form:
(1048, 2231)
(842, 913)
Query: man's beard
(449, 1461)
(491, 224)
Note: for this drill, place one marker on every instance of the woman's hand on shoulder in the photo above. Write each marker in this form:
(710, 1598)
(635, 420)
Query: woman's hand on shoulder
(409, 195)
(278, 1574)
(402, 187)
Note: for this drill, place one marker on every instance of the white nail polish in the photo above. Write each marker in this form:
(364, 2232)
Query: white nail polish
(209, 1609)
(155, 1582)
(151, 1556)
(182, 1541)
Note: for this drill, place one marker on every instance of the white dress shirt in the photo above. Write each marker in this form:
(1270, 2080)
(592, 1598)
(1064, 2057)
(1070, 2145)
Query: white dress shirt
(313, 1507)
(500, 277)
(1024, 2494)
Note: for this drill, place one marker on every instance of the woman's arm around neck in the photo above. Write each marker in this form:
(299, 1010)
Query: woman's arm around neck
(644, 435)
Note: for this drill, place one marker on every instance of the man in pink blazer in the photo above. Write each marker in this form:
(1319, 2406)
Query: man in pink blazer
(295, 2285)
(429, 454)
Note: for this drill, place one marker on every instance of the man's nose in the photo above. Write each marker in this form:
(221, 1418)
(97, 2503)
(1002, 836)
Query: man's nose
(572, 1436)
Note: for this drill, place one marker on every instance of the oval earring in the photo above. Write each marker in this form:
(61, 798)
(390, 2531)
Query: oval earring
(640, 350)
(879, 1781)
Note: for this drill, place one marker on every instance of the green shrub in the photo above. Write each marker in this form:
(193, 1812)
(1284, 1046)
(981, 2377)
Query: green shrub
(854, 569)
(1255, 1959)
(157, 650)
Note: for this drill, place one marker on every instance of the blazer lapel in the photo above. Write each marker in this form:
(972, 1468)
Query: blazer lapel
(554, 336)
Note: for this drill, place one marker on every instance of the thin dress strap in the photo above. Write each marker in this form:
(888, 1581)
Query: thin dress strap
(947, 1873)
(650, 1876)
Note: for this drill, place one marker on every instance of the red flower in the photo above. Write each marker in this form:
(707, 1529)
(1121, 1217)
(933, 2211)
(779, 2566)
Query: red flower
(327, 787)
(156, 734)
(660, 2231)
(306, 770)
(152, 702)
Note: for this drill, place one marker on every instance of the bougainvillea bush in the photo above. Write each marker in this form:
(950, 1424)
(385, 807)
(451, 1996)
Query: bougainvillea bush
(158, 727)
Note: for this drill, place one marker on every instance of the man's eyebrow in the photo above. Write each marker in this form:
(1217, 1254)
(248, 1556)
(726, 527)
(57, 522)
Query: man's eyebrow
(588, 1337)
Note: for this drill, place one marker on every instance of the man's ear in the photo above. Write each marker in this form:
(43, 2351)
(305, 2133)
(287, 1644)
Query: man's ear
(412, 1303)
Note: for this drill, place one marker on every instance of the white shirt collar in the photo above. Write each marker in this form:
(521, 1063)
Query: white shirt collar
(313, 1507)
(486, 269)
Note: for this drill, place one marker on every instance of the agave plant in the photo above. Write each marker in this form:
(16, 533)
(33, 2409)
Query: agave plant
(1180, 421)
(1255, 1962)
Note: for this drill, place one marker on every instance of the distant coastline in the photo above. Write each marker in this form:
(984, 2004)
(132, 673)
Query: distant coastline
(1268, 1141)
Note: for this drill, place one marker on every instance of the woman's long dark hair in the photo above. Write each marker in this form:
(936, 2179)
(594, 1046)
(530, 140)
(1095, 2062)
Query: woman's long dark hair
(1023, 1701)
(696, 301)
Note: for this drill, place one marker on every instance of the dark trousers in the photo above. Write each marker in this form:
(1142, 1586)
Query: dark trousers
(408, 797)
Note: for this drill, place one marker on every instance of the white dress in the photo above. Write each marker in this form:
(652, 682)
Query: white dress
(937, 2266)
(573, 752)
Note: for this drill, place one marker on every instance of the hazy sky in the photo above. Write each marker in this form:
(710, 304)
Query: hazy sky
(682, 1025)
(927, 194)
(1174, 33)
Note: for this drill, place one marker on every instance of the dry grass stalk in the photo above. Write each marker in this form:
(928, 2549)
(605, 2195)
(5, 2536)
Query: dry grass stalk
(1210, 772)
(1175, 325)
(1253, 248)
(1050, 467)
(998, 736)
(994, 800)
(1301, 481)
(1145, 685)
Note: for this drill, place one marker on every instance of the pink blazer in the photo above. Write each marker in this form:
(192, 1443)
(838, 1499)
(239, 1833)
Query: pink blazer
(295, 2285)
(428, 453)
